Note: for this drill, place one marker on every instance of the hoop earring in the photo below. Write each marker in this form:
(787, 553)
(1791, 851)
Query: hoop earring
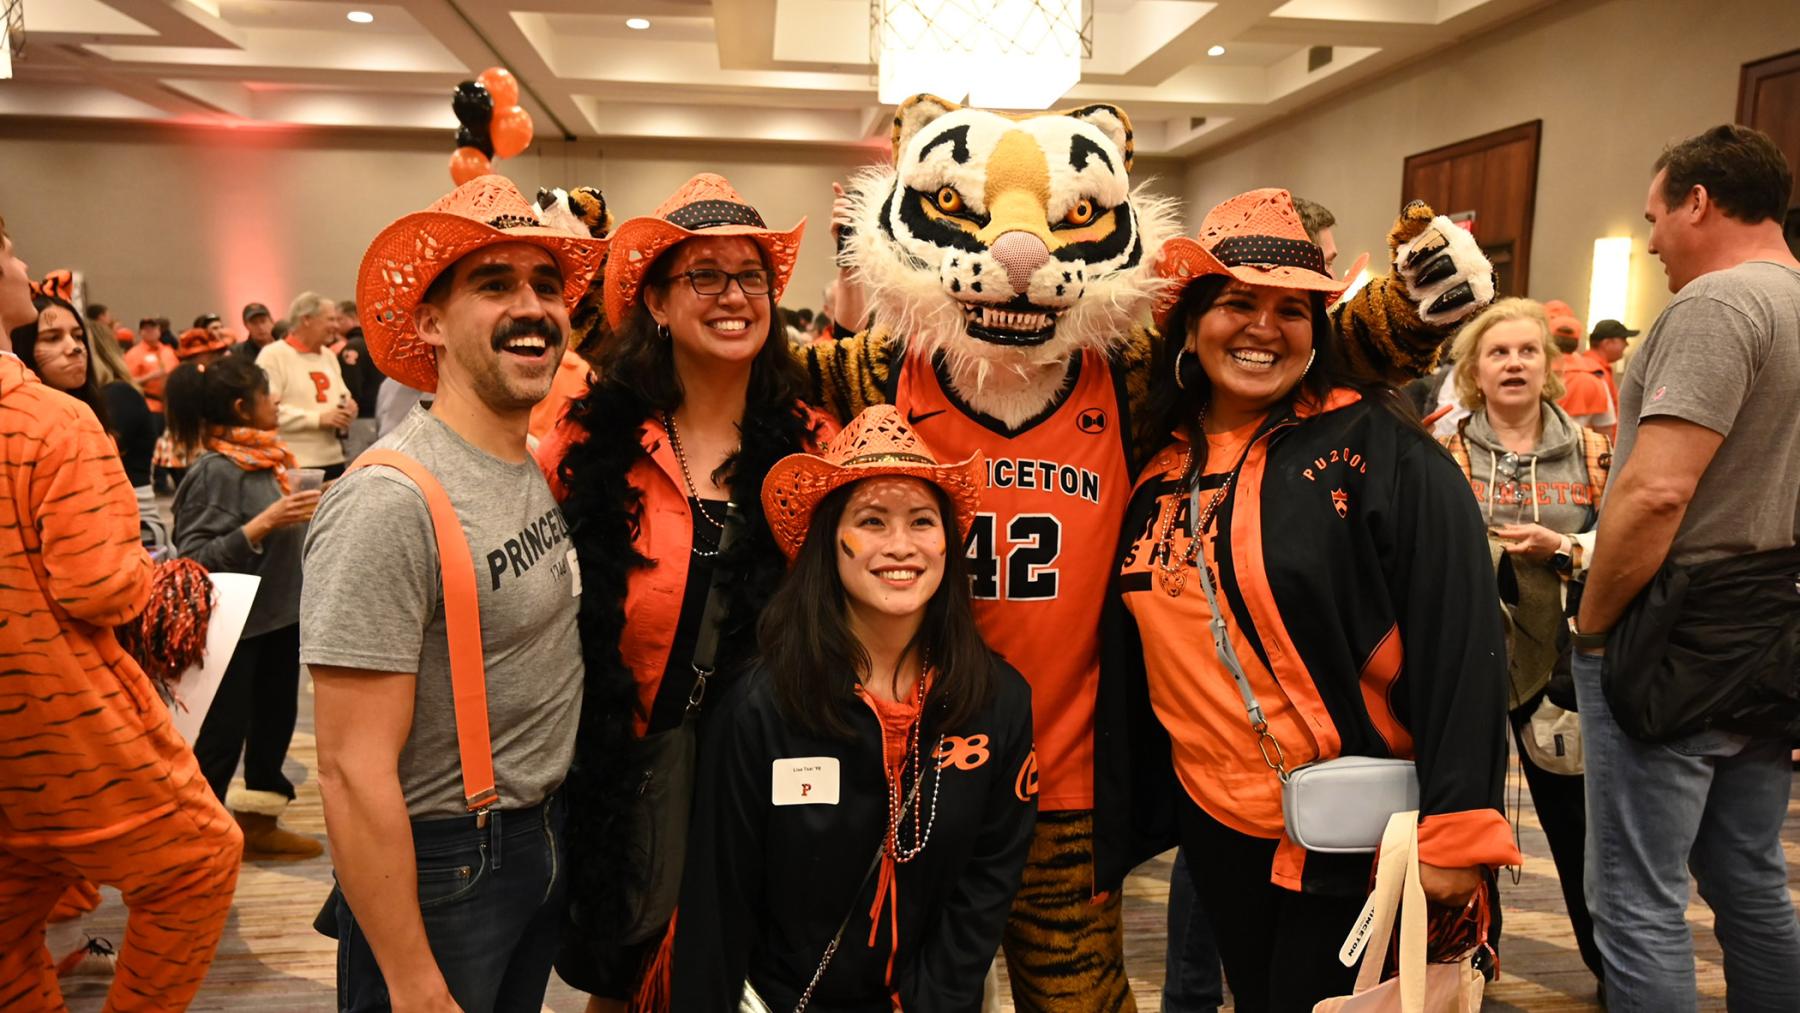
(1309, 362)
(1178, 354)
(662, 331)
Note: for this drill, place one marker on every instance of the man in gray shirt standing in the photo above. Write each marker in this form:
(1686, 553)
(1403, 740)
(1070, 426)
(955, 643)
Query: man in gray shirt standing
(1707, 468)
(450, 900)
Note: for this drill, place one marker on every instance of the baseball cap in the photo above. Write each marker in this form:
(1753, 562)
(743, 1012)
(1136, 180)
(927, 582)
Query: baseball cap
(207, 319)
(1565, 327)
(1611, 329)
(256, 309)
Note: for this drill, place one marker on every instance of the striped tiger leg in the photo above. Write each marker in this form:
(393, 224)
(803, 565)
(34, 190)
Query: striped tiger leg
(1064, 953)
(27, 973)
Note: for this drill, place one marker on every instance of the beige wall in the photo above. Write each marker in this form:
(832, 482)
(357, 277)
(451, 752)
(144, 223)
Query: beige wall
(170, 222)
(1613, 82)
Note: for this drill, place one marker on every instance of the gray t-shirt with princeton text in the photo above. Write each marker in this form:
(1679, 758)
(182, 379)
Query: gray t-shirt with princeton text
(373, 599)
(1725, 354)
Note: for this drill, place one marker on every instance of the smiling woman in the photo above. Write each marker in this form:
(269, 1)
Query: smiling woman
(895, 737)
(1342, 540)
(691, 405)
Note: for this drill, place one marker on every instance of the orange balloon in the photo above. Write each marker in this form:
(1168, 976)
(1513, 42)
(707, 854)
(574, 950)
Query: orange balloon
(510, 131)
(467, 163)
(501, 84)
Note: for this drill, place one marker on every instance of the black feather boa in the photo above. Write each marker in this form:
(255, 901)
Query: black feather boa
(602, 509)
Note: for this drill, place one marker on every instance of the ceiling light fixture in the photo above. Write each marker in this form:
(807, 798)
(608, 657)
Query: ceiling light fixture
(1216, 51)
(1007, 54)
(360, 17)
(637, 24)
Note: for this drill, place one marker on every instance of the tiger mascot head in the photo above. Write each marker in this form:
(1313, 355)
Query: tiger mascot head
(1006, 244)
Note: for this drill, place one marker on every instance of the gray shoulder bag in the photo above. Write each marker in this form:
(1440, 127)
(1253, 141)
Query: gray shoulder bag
(1334, 806)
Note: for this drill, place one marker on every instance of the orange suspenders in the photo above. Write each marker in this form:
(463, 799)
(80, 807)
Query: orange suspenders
(462, 622)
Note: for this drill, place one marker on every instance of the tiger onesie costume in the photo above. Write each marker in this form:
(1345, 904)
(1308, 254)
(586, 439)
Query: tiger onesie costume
(1007, 264)
(95, 784)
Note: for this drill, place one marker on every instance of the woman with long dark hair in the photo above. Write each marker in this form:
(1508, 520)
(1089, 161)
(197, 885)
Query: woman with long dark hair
(878, 861)
(88, 366)
(691, 404)
(239, 510)
(1351, 576)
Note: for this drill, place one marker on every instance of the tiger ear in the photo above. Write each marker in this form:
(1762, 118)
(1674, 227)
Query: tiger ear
(1112, 122)
(914, 115)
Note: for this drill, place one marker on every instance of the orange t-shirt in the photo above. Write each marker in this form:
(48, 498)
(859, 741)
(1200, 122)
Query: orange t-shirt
(1041, 550)
(1214, 750)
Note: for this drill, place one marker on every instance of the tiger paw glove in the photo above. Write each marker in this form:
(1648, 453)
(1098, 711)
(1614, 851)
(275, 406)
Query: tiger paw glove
(1445, 272)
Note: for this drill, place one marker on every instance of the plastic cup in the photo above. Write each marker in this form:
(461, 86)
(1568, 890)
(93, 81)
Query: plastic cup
(309, 479)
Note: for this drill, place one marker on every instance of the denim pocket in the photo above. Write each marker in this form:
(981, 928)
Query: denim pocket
(443, 883)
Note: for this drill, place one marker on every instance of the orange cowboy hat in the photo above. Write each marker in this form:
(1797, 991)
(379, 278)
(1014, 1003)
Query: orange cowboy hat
(877, 442)
(1255, 237)
(411, 252)
(706, 205)
(198, 341)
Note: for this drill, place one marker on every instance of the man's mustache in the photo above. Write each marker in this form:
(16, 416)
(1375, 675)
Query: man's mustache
(519, 327)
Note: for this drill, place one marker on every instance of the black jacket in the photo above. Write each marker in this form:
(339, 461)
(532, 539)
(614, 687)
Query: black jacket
(1352, 554)
(766, 885)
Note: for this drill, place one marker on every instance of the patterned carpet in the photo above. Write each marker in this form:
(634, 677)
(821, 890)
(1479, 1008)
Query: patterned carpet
(271, 959)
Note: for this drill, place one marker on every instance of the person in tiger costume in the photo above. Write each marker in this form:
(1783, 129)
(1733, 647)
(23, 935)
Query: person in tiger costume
(96, 786)
(1006, 260)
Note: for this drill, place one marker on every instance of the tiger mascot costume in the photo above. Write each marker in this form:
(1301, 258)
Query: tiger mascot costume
(95, 784)
(1007, 265)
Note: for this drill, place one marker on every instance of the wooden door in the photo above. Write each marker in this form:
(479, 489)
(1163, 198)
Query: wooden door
(1493, 180)
(1769, 100)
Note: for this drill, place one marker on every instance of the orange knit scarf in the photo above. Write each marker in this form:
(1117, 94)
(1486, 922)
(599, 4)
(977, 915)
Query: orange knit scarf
(254, 450)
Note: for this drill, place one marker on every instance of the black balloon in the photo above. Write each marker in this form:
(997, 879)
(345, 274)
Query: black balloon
(473, 106)
(468, 137)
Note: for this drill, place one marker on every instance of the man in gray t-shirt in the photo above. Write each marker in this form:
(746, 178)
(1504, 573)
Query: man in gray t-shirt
(442, 906)
(1707, 468)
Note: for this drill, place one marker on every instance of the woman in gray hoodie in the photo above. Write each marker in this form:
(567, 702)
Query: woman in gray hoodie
(1538, 476)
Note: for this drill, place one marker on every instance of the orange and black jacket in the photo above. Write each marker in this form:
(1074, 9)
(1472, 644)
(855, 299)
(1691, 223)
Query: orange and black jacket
(767, 885)
(1353, 557)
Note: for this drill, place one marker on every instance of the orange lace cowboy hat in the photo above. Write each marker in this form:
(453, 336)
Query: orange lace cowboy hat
(877, 442)
(409, 254)
(1255, 237)
(706, 205)
(199, 341)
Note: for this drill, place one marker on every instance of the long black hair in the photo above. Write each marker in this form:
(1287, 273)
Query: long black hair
(1176, 406)
(634, 380)
(813, 658)
(24, 342)
(195, 399)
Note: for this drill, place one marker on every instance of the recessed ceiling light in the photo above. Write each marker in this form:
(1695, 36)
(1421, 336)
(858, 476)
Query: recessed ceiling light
(637, 24)
(1216, 51)
(360, 17)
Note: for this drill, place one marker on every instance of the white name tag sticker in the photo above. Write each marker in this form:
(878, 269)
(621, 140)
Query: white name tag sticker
(574, 575)
(804, 780)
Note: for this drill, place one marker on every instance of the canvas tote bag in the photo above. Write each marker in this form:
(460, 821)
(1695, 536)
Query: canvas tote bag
(1420, 987)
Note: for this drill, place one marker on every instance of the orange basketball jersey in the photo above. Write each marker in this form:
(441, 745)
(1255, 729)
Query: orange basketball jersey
(1042, 549)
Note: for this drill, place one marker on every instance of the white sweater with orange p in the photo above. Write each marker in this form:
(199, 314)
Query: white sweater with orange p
(309, 384)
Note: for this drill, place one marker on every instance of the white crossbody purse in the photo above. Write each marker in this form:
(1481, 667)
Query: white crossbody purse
(1335, 806)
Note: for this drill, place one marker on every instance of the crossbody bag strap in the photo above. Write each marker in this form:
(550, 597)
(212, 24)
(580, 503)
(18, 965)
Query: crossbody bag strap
(856, 899)
(1228, 655)
(712, 616)
(462, 624)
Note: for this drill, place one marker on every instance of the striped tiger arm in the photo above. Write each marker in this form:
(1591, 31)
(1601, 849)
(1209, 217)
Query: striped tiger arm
(850, 374)
(87, 518)
(1383, 336)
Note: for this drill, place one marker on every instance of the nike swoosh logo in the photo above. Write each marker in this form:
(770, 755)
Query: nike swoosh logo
(914, 418)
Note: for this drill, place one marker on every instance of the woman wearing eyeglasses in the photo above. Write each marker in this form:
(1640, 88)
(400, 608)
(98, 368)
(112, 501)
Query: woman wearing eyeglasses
(1538, 476)
(691, 405)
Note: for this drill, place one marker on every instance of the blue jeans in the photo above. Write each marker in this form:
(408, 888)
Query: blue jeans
(1712, 804)
(492, 901)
